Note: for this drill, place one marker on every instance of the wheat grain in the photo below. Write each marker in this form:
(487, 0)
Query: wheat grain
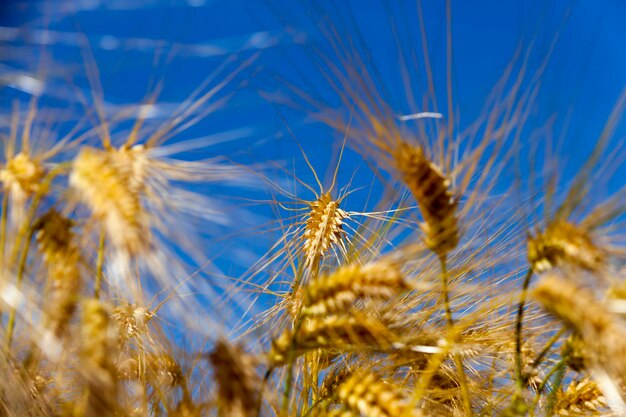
(97, 353)
(61, 255)
(331, 332)
(132, 320)
(581, 398)
(577, 356)
(368, 395)
(431, 190)
(602, 332)
(323, 411)
(563, 243)
(323, 229)
(335, 292)
(239, 385)
(22, 175)
(112, 198)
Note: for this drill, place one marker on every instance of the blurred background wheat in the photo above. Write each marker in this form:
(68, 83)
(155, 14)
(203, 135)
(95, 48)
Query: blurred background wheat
(312, 208)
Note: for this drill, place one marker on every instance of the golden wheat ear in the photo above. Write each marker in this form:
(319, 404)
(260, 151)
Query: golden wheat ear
(132, 320)
(431, 190)
(323, 411)
(22, 174)
(334, 332)
(367, 394)
(57, 244)
(97, 353)
(239, 386)
(112, 199)
(581, 398)
(323, 229)
(602, 332)
(336, 292)
(564, 243)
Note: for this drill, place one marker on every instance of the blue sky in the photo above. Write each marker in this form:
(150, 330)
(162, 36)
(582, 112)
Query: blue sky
(586, 71)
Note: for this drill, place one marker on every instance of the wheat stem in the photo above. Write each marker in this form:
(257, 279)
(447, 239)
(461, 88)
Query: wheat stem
(445, 291)
(559, 365)
(27, 231)
(458, 361)
(540, 357)
(3, 226)
(33, 208)
(519, 372)
(289, 376)
(559, 374)
(99, 265)
(3, 230)
(20, 278)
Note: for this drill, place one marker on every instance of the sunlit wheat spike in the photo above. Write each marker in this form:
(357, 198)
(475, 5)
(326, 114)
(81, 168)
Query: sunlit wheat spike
(335, 292)
(61, 256)
(160, 369)
(564, 243)
(581, 398)
(38, 385)
(164, 370)
(617, 290)
(21, 177)
(323, 411)
(132, 320)
(239, 386)
(431, 190)
(577, 357)
(331, 332)
(97, 355)
(187, 408)
(367, 394)
(112, 197)
(22, 174)
(333, 379)
(601, 331)
(324, 228)
(133, 164)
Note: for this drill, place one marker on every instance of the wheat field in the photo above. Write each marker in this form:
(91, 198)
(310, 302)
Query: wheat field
(285, 224)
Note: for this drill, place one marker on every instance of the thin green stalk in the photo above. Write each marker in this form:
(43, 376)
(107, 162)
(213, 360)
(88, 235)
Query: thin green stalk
(519, 371)
(558, 380)
(99, 265)
(3, 226)
(26, 232)
(314, 405)
(446, 293)
(288, 382)
(43, 189)
(540, 357)
(3, 230)
(289, 376)
(292, 351)
(20, 278)
(458, 361)
(559, 367)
